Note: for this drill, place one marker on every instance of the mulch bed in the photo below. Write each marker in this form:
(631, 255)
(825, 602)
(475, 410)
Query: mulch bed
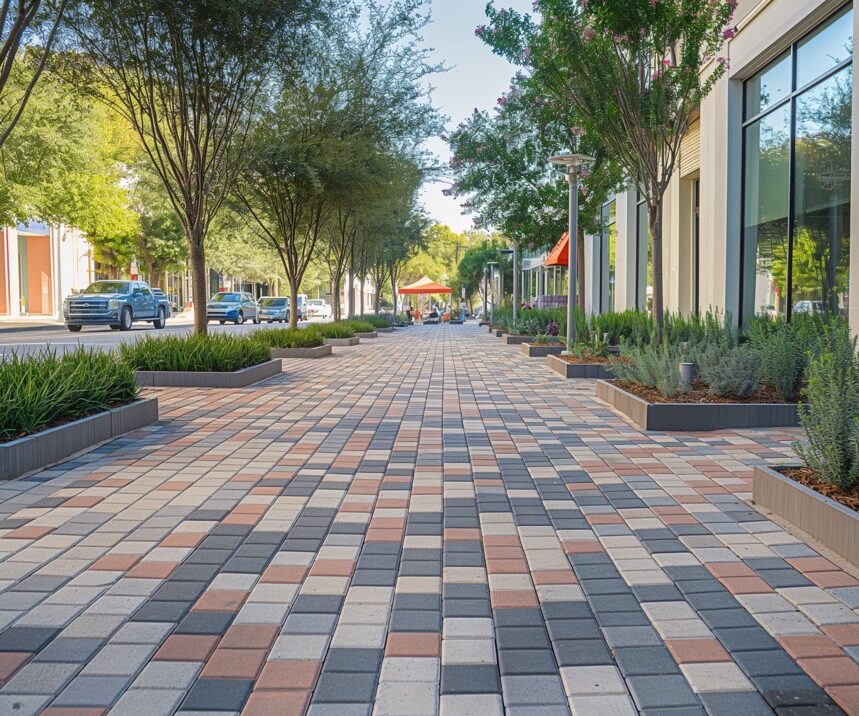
(590, 360)
(808, 477)
(700, 393)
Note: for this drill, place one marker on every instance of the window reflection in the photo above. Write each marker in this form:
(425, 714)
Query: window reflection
(821, 244)
(769, 87)
(825, 48)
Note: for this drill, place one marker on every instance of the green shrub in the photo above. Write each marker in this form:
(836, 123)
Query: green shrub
(635, 327)
(39, 390)
(309, 337)
(655, 366)
(359, 326)
(373, 320)
(831, 421)
(335, 330)
(783, 362)
(205, 353)
(730, 371)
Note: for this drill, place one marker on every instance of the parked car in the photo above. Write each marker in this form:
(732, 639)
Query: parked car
(809, 307)
(273, 308)
(171, 305)
(318, 308)
(116, 304)
(234, 306)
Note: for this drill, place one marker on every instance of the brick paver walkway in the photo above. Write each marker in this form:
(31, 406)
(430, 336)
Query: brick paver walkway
(425, 523)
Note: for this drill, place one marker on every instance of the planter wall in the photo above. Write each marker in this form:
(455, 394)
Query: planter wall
(33, 452)
(500, 333)
(202, 379)
(825, 520)
(578, 370)
(540, 350)
(369, 334)
(695, 417)
(314, 352)
(342, 341)
(517, 340)
(389, 329)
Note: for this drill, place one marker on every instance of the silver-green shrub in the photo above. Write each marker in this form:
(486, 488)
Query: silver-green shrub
(831, 417)
(730, 371)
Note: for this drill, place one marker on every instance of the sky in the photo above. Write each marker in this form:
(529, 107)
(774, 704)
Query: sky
(476, 78)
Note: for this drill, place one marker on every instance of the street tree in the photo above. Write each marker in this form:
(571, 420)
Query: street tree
(187, 76)
(635, 71)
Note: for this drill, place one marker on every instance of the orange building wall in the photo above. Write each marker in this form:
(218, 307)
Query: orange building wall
(38, 274)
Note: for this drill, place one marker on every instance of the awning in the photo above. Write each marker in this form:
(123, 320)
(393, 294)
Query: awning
(560, 253)
(424, 285)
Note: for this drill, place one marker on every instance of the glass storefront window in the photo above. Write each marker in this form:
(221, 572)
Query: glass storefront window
(766, 203)
(796, 183)
(644, 269)
(826, 48)
(821, 243)
(769, 87)
(608, 244)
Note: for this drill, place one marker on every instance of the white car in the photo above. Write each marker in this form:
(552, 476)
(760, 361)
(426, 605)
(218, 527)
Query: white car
(317, 308)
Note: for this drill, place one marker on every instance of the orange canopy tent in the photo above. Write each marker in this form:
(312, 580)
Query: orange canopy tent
(560, 253)
(424, 285)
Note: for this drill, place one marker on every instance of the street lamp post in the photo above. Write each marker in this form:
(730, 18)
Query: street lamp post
(515, 282)
(491, 266)
(573, 163)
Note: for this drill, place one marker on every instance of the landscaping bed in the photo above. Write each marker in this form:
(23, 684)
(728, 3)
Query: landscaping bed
(575, 369)
(351, 341)
(540, 350)
(822, 510)
(54, 444)
(517, 340)
(201, 361)
(695, 416)
(294, 342)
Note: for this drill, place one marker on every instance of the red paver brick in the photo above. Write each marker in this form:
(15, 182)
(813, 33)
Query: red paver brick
(10, 662)
(249, 636)
(842, 634)
(28, 532)
(298, 674)
(186, 647)
(115, 562)
(413, 644)
(234, 663)
(809, 645)
(847, 697)
(695, 651)
(152, 570)
(832, 670)
(746, 585)
(220, 600)
(277, 703)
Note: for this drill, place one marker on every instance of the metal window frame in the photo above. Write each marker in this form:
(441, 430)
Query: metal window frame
(791, 100)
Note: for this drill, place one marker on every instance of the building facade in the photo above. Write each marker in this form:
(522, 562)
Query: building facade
(40, 264)
(757, 217)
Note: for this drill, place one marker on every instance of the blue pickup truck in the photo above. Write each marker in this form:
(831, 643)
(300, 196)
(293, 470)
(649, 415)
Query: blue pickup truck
(116, 304)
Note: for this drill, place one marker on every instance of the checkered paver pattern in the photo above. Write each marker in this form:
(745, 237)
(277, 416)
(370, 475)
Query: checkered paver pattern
(426, 523)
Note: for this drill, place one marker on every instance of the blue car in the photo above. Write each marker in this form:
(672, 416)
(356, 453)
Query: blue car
(232, 306)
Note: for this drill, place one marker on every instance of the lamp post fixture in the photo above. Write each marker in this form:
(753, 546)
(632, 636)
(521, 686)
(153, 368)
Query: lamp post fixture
(573, 164)
(491, 266)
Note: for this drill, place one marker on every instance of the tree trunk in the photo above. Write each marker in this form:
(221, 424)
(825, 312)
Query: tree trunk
(377, 298)
(335, 298)
(394, 293)
(361, 281)
(654, 212)
(293, 303)
(198, 281)
(351, 290)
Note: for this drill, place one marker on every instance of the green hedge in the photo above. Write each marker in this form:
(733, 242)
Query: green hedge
(340, 329)
(309, 337)
(373, 320)
(43, 389)
(215, 352)
(360, 326)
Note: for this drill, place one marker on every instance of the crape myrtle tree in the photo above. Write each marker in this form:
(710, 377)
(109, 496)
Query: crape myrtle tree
(500, 164)
(187, 75)
(634, 71)
(472, 267)
(31, 25)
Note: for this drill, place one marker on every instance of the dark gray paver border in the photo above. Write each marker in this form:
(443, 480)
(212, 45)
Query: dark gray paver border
(33, 452)
(540, 350)
(389, 329)
(204, 379)
(314, 352)
(353, 341)
(697, 417)
(822, 518)
(517, 340)
(578, 370)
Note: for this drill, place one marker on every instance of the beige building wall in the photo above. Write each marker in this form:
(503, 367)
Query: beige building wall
(766, 28)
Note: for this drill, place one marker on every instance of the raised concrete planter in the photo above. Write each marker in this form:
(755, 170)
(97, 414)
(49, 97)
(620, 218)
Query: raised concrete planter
(825, 520)
(512, 340)
(314, 352)
(353, 341)
(369, 334)
(695, 417)
(456, 322)
(578, 370)
(500, 334)
(33, 452)
(203, 379)
(389, 329)
(540, 350)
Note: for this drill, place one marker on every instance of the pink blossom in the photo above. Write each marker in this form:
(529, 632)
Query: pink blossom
(589, 34)
(729, 32)
(577, 131)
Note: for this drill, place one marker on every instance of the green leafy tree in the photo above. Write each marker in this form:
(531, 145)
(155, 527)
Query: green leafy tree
(187, 75)
(632, 71)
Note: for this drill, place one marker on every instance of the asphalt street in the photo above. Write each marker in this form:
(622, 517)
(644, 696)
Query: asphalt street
(103, 338)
